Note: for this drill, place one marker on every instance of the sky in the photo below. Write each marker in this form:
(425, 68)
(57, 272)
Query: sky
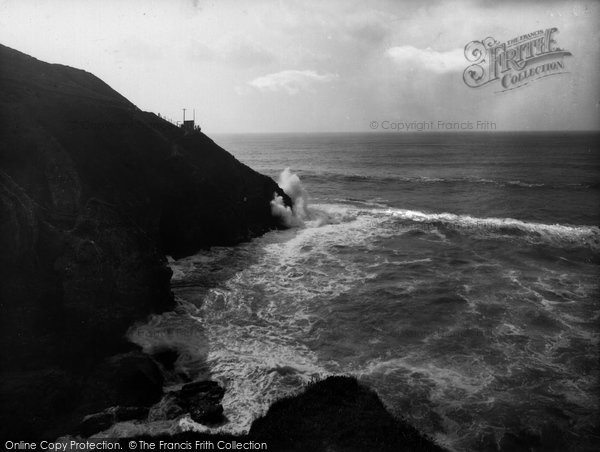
(315, 66)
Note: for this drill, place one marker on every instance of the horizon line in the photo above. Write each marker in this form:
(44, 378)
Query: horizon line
(412, 132)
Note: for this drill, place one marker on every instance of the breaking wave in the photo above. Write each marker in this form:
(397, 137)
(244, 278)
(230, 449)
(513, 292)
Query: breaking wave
(387, 221)
(556, 234)
(298, 212)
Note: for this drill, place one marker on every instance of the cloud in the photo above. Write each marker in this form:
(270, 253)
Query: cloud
(428, 59)
(291, 81)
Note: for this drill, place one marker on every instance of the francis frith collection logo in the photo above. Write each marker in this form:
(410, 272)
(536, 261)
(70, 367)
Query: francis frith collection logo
(516, 62)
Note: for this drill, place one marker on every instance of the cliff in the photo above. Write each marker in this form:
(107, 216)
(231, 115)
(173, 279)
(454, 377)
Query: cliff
(93, 194)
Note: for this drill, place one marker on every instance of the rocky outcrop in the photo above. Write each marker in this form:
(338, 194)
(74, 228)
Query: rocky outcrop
(337, 414)
(93, 194)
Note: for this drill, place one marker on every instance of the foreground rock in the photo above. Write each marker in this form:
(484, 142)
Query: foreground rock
(93, 194)
(203, 401)
(337, 414)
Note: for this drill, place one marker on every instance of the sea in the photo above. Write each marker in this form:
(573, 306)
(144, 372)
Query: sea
(456, 274)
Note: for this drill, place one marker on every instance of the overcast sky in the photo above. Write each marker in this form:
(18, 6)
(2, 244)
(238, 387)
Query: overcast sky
(308, 66)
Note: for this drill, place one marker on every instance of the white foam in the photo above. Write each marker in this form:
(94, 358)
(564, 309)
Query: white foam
(471, 379)
(586, 235)
(412, 261)
(524, 184)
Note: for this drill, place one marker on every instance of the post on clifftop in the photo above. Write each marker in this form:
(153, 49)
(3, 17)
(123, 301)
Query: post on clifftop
(189, 126)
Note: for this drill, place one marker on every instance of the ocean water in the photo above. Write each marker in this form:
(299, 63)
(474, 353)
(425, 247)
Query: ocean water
(456, 274)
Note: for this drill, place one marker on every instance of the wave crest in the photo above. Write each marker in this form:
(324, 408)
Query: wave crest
(577, 235)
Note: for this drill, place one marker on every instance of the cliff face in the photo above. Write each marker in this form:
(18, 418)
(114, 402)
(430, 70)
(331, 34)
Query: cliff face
(93, 194)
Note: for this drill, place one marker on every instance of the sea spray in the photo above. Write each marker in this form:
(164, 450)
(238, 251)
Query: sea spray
(291, 217)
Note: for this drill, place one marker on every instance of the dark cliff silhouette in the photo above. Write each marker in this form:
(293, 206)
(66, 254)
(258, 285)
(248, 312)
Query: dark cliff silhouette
(93, 193)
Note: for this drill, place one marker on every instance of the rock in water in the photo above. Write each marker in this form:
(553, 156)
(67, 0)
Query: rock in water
(203, 401)
(200, 399)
